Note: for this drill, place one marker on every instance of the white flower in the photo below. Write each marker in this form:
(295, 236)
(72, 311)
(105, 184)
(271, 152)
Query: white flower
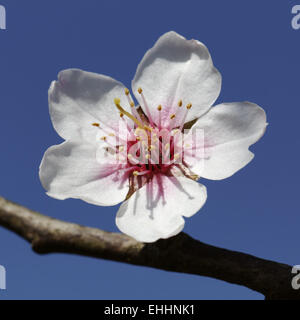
(175, 83)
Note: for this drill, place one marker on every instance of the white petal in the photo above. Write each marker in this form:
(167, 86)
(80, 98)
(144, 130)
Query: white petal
(75, 170)
(229, 130)
(177, 69)
(78, 99)
(148, 215)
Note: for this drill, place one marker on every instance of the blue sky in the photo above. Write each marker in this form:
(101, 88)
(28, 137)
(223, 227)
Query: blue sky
(256, 211)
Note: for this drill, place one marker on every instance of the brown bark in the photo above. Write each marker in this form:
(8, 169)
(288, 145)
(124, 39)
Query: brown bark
(180, 253)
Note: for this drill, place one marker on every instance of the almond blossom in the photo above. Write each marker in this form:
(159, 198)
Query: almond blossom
(148, 155)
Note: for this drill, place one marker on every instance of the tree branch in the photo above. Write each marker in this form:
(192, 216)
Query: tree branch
(180, 253)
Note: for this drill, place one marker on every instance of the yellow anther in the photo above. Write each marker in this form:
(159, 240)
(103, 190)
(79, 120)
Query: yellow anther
(152, 147)
(147, 156)
(121, 148)
(96, 124)
(188, 106)
(103, 138)
(180, 103)
(129, 115)
(132, 104)
(140, 90)
(138, 138)
(117, 101)
(126, 91)
(167, 146)
(172, 116)
(187, 145)
(159, 108)
(111, 134)
(135, 173)
(176, 156)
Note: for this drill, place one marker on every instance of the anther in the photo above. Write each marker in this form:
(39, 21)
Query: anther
(180, 103)
(131, 104)
(159, 107)
(172, 116)
(117, 101)
(126, 91)
(129, 115)
(96, 124)
(135, 173)
(140, 90)
(103, 138)
(188, 106)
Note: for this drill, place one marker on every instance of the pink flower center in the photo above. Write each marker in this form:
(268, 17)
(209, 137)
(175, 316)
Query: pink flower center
(152, 147)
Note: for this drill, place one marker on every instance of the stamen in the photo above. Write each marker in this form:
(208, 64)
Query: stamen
(123, 112)
(131, 103)
(180, 103)
(103, 138)
(171, 123)
(148, 114)
(96, 124)
(130, 168)
(129, 115)
(188, 107)
(140, 173)
(159, 108)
